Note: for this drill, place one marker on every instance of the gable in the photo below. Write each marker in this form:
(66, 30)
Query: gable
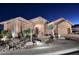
(15, 20)
(58, 21)
(38, 20)
(64, 24)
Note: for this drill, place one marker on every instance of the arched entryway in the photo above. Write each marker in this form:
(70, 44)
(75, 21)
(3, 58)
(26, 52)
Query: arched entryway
(38, 29)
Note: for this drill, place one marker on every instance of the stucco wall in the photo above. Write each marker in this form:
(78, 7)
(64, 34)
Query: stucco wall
(41, 25)
(19, 25)
(22, 25)
(41, 28)
(8, 26)
(63, 27)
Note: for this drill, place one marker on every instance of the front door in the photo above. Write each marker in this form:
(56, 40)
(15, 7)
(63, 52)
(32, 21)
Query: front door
(36, 30)
(68, 30)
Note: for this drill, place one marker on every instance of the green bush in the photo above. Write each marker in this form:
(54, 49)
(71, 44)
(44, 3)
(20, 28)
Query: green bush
(9, 34)
(26, 33)
(6, 33)
(28, 36)
(20, 34)
(1, 36)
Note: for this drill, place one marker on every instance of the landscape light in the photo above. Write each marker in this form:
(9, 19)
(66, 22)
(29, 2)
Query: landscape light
(41, 45)
(38, 43)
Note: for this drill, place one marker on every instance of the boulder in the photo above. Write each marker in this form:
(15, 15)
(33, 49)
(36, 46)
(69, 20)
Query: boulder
(28, 44)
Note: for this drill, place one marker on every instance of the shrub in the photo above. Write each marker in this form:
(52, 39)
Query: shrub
(26, 33)
(6, 33)
(9, 34)
(1, 34)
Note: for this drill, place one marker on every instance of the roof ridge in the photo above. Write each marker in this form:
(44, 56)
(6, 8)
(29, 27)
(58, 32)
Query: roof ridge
(16, 18)
(58, 20)
(39, 18)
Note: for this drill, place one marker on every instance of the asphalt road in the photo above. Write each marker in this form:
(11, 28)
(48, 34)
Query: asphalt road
(55, 46)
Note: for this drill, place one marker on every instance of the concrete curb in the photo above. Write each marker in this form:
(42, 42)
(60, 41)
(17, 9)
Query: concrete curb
(62, 51)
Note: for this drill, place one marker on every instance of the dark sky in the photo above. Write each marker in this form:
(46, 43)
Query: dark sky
(48, 11)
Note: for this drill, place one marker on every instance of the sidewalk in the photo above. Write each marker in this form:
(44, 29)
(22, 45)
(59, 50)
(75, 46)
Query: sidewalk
(57, 47)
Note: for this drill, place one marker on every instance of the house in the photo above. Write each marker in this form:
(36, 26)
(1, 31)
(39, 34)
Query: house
(39, 25)
(60, 27)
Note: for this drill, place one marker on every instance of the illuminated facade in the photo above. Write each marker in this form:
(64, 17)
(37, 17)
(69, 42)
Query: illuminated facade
(18, 24)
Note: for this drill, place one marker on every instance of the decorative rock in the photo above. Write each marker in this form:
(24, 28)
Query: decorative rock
(1, 48)
(11, 44)
(11, 49)
(14, 44)
(28, 44)
(7, 47)
(15, 40)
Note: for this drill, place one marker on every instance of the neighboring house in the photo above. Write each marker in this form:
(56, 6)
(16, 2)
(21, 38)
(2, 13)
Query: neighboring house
(60, 26)
(39, 25)
(75, 28)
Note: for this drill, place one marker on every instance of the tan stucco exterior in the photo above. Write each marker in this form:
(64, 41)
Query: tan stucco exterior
(62, 26)
(40, 23)
(20, 24)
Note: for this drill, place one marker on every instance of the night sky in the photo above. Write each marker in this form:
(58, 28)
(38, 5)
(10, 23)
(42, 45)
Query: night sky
(48, 11)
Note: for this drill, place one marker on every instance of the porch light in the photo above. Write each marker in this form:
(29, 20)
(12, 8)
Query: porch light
(13, 34)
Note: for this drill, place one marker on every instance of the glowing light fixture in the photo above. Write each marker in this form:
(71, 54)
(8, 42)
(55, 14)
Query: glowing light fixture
(38, 43)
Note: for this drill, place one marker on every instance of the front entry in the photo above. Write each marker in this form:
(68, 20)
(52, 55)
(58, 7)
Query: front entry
(36, 30)
(68, 30)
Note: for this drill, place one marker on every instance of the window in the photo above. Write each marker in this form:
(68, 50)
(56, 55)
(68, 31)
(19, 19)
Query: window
(50, 27)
